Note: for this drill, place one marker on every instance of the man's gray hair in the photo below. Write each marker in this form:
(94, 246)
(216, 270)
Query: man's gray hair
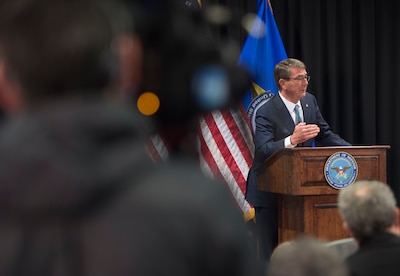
(282, 69)
(368, 207)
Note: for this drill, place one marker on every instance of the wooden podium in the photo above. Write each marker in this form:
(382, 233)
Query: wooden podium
(307, 203)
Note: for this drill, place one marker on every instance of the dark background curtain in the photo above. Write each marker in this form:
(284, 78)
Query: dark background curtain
(351, 49)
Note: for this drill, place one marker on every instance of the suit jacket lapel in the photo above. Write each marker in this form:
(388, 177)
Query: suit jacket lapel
(307, 107)
(283, 114)
(306, 110)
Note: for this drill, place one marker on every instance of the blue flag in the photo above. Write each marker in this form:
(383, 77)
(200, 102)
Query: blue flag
(262, 50)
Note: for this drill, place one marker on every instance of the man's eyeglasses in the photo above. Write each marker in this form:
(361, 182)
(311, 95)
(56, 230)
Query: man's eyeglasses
(300, 78)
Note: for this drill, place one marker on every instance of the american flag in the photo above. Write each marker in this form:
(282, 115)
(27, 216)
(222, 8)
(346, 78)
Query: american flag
(225, 146)
(226, 151)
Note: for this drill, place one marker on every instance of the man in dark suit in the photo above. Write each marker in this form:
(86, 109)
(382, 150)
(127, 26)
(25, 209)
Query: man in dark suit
(368, 209)
(278, 126)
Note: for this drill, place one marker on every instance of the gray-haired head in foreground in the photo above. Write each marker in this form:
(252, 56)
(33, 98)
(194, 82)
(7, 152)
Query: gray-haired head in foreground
(368, 207)
(306, 256)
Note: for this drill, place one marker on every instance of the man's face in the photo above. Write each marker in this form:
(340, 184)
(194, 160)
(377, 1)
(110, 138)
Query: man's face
(295, 87)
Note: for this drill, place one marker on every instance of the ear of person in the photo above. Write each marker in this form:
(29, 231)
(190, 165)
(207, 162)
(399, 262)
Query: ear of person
(396, 225)
(10, 95)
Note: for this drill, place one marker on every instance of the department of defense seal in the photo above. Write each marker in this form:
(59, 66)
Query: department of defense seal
(341, 170)
(255, 104)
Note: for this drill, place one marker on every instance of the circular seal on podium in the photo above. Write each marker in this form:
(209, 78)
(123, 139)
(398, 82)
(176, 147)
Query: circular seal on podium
(340, 170)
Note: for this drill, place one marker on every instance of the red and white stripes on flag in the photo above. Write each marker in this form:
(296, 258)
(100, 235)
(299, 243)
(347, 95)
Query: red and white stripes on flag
(225, 145)
(226, 151)
(157, 148)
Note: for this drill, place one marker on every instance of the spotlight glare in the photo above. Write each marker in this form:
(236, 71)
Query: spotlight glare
(148, 103)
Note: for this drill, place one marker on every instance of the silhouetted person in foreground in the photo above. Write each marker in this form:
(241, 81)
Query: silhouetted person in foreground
(78, 192)
(305, 256)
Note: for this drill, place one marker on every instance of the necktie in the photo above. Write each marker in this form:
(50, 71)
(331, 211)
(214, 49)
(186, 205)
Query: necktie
(297, 114)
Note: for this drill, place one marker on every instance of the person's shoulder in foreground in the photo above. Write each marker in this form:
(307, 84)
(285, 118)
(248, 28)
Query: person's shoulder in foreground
(368, 209)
